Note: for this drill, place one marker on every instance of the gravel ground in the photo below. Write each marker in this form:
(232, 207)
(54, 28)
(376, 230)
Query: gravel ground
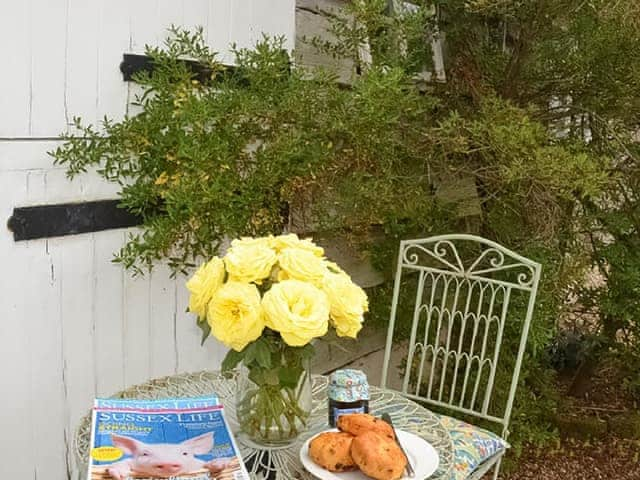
(608, 459)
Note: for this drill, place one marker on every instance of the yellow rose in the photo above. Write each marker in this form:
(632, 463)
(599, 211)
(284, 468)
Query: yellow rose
(250, 262)
(235, 314)
(347, 301)
(298, 310)
(203, 284)
(291, 240)
(301, 265)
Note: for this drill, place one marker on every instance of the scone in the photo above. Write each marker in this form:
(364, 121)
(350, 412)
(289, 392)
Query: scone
(377, 456)
(332, 451)
(357, 423)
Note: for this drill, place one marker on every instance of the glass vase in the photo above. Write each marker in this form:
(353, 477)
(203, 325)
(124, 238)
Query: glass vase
(272, 410)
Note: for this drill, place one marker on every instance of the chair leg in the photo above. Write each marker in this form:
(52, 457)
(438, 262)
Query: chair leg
(496, 469)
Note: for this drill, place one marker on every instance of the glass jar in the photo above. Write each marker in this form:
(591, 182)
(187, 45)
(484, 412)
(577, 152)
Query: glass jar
(348, 392)
(272, 412)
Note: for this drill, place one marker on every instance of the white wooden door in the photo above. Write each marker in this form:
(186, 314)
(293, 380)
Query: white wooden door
(72, 324)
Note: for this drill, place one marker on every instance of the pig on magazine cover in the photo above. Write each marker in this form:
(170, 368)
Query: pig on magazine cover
(165, 460)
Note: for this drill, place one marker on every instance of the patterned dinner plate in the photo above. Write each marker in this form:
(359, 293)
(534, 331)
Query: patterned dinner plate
(421, 453)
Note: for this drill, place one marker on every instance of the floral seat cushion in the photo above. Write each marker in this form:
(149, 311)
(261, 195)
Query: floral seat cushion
(472, 446)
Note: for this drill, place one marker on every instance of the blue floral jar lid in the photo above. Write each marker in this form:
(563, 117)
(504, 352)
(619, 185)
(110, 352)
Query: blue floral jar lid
(348, 385)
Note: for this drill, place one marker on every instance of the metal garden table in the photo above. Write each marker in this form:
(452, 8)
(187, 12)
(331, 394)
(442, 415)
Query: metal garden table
(284, 463)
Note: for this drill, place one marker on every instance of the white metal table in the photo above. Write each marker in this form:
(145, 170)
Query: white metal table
(284, 463)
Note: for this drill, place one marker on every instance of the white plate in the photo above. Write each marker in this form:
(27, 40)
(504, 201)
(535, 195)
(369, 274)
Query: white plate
(422, 455)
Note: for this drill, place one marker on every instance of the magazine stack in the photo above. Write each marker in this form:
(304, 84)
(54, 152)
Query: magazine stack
(176, 439)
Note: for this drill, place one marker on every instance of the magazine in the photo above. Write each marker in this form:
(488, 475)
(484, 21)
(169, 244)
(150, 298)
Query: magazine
(176, 439)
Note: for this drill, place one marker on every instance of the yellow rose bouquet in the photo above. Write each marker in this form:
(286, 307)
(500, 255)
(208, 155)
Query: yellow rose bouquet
(266, 300)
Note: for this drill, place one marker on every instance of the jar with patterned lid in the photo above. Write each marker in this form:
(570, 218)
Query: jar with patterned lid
(348, 392)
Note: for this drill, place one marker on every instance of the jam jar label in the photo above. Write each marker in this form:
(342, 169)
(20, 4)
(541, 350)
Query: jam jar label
(343, 411)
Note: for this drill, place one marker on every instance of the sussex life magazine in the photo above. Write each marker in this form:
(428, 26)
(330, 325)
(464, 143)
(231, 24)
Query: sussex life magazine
(176, 439)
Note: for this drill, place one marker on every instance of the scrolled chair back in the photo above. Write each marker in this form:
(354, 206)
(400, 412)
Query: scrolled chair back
(462, 298)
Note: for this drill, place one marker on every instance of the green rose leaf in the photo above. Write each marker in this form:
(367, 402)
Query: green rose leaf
(295, 356)
(232, 359)
(263, 354)
(258, 352)
(206, 329)
(289, 376)
(250, 353)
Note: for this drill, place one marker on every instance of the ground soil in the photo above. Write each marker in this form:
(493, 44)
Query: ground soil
(605, 458)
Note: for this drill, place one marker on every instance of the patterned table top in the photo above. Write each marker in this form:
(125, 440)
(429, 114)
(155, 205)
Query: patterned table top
(284, 463)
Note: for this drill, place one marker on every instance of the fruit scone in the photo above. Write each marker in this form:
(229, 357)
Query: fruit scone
(332, 451)
(358, 423)
(378, 456)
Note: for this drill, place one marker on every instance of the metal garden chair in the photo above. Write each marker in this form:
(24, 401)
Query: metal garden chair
(460, 316)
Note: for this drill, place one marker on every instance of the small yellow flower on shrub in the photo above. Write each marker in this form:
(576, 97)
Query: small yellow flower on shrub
(235, 315)
(162, 179)
(301, 265)
(298, 310)
(250, 262)
(204, 284)
(348, 303)
(291, 240)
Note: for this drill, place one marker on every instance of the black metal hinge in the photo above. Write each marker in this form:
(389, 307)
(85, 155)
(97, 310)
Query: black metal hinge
(44, 221)
(133, 63)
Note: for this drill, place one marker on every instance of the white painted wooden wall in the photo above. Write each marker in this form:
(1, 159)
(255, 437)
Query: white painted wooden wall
(72, 324)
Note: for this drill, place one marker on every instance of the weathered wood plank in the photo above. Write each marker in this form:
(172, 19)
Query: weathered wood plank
(15, 51)
(114, 39)
(41, 276)
(275, 18)
(168, 12)
(218, 29)
(108, 306)
(162, 301)
(241, 29)
(78, 341)
(142, 31)
(195, 14)
(26, 155)
(137, 329)
(82, 75)
(312, 23)
(48, 39)
(15, 406)
(87, 186)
